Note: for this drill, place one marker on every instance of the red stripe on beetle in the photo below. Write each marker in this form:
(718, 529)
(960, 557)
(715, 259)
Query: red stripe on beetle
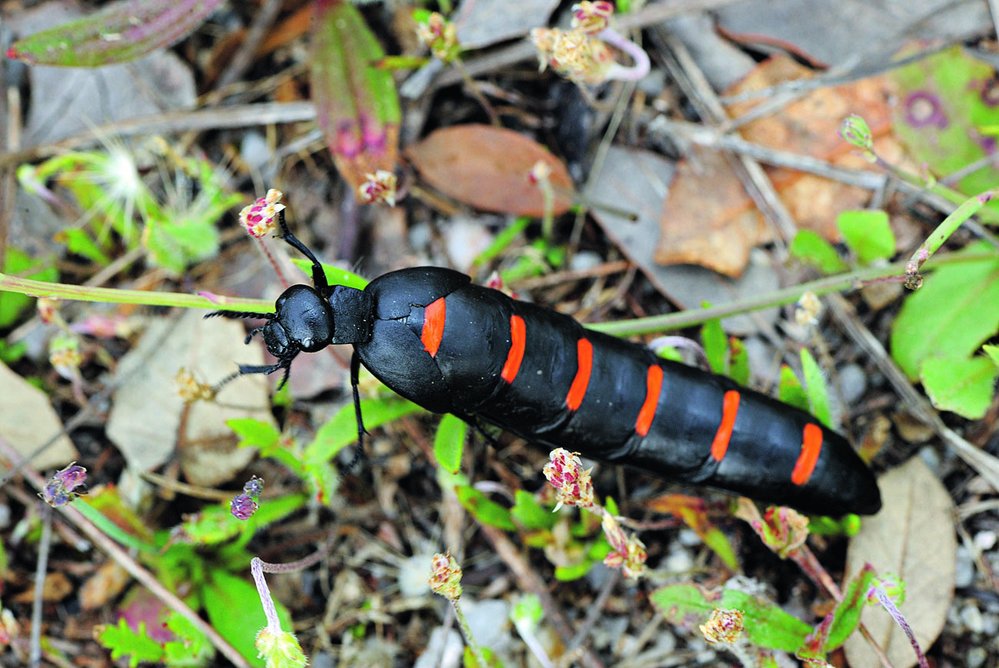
(584, 365)
(730, 408)
(811, 446)
(434, 316)
(653, 387)
(518, 338)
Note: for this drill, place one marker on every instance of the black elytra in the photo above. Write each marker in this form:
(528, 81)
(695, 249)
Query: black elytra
(451, 346)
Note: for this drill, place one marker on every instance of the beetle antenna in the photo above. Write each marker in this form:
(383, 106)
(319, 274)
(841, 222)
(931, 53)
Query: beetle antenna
(239, 314)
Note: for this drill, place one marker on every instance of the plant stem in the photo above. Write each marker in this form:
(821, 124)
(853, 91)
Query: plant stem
(822, 286)
(33, 288)
(466, 631)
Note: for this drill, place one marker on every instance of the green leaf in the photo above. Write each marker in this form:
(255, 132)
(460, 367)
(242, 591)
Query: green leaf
(470, 661)
(449, 442)
(816, 388)
(846, 616)
(136, 645)
(527, 612)
(80, 242)
(992, 352)
(812, 249)
(766, 625)
(234, 609)
(962, 386)
(341, 430)
(19, 263)
(357, 107)
(530, 514)
(868, 234)
(573, 572)
(715, 344)
(254, 433)
(215, 524)
(190, 648)
(122, 31)
(334, 275)
(739, 362)
(952, 314)
(789, 389)
(483, 509)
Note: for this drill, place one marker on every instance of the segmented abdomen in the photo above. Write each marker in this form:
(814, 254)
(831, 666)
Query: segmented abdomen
(543, 376)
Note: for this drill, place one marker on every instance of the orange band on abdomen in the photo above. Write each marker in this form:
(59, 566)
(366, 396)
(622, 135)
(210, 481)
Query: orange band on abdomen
(730, 408)
(653, 387)
(434, 316)
(518, 338)
(811, 447)
(584, 365)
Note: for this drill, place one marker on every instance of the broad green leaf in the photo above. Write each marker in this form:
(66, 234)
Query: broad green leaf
(960, 385)
(530, 514)
(846, 616)
(483, 509)
(868, 234)
(234, 609)
(766, 624)
(943, 100)
(789, 389)
(341, 430)
(715, 345)
(810, 247)
(952, 314)
(992, 352)
(739, 370)
(19, 263)
(254, 433)
(573, 571)
(334, 275)
(80, 242)
(816, 388)
(356, 102)
(120, 32)
(449, 442)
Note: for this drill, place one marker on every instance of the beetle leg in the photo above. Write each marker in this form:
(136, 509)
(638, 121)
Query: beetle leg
(318, 275)
(355, 372)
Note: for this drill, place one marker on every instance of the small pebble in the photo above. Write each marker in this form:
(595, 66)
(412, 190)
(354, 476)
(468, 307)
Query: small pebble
(442, 651)
(489, 621)
(976, 657)
(678, 561)
(964, 569)
(985, 540)
(584, 260)
(852, 383)
(971, 617)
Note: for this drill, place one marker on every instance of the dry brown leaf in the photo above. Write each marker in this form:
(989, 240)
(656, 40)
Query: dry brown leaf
(913, 538)
(55, 587)
(708, 218)
(28, 421)
(104, 585)
(148, 414)
(489, 168)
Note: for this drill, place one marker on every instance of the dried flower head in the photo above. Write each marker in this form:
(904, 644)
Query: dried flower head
(445, 576)
(62, 487)
(440, 36)
(244, 505)
(378, 187)
(64, 356)
(592, 17)
(808, 309)
(573, 54)
(279, 649)
(48, 309)
(540, 172)
(191, 389)
(571, 481)
(260, 218)
(723, 626)
(627, 552)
